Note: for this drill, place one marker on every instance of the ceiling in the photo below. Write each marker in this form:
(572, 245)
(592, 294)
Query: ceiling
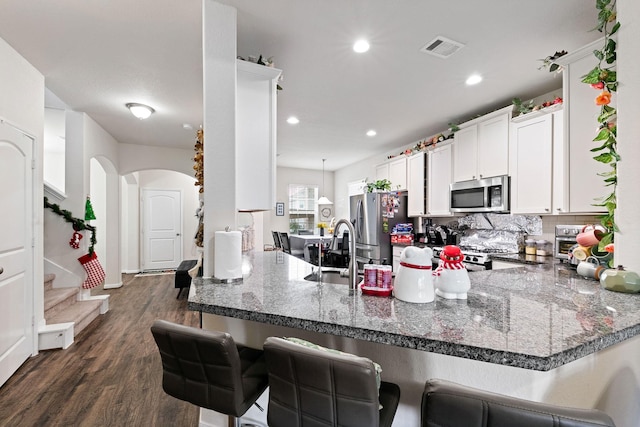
(98, 55)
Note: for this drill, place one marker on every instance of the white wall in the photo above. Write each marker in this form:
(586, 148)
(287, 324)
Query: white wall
(627, 241)
(132, 158)
(130, 224)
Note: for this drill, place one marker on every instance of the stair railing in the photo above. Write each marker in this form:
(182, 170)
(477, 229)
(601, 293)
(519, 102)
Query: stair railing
(77, 223)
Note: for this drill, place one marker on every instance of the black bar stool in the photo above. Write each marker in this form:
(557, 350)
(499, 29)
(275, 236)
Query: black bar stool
(322, 387)
(449, 404)
(208, 369)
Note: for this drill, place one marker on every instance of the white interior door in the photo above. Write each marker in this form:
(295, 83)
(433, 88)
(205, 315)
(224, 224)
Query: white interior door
(16, 252)
(161, 229)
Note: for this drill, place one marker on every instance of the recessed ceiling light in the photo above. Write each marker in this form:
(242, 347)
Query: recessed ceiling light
(361, 46)
(371, 132)
(293, 120)
(474, 79)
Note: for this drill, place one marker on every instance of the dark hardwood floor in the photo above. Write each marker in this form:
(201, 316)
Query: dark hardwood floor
(112, 374)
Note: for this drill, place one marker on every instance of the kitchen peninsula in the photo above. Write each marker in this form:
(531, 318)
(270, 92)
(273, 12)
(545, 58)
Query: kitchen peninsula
(536, 332)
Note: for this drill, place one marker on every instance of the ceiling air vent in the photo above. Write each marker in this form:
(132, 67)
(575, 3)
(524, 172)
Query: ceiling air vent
(441, 47)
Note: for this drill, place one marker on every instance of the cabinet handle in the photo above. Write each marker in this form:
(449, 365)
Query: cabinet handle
(559, 209)
(480, 175)
(546, 209)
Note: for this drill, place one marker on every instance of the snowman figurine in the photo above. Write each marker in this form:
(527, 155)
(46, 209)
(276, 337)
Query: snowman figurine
(451, 276)
(414, 279)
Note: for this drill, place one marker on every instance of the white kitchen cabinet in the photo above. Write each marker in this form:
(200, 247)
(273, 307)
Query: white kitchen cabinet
(466, 154)
(256, 136)
(395, 170)
(382, 171)
(580, 174)
(398, 173)
(531, 165)
(397, 252)
(439, 178)
(416, 185)
(560, 203)
(482, 147)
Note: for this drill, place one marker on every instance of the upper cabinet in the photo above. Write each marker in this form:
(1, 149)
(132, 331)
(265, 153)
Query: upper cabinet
(256, 136)
(482, 147)
(580, 173)
(416, 185)
(440, 170)
(531, 165)
(395, 170)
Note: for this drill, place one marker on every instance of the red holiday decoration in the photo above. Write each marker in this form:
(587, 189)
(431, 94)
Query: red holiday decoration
(95, 273)
(75, 240)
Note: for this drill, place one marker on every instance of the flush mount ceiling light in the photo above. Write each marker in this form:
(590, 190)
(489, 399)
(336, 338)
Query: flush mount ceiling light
(293, 120)
(371, 132)
(323, 200)
(361, 46)
(474, 79)
(141, 111)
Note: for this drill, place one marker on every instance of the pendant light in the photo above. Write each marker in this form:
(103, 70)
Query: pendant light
(323, 200)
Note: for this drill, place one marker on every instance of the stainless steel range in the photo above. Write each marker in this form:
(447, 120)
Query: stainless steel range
(475, 259)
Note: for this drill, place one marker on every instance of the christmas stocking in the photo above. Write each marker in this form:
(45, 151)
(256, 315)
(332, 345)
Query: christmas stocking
(95, 273)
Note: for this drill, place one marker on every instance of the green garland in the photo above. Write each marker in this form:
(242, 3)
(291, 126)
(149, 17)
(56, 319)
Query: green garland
(603, 77)
(78, 224)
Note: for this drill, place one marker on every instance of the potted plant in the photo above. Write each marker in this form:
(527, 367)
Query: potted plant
(379, 185)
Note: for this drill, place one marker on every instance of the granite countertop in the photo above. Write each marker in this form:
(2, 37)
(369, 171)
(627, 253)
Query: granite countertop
(535, 317)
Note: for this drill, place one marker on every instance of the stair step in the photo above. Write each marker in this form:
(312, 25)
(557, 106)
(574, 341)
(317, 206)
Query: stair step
(81, 313)
(57, 300)
(48, 281)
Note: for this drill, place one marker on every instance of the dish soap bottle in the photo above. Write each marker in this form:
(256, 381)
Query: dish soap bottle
(620, 280)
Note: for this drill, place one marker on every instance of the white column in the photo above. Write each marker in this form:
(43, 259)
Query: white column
(219, 82)
(627, 241)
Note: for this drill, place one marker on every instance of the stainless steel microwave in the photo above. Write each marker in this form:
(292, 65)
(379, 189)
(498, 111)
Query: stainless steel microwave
(481, 195)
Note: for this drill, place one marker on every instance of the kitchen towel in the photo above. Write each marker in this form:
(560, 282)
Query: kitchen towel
(227, 258)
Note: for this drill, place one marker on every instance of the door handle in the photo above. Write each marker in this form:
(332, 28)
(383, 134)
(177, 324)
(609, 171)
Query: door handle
(178, 234)
(1, 270)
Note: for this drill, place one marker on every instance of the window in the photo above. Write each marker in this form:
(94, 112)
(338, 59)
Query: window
(302, 207)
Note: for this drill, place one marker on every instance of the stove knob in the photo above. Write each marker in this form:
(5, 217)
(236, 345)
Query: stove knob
(467, 258)
(475, 259)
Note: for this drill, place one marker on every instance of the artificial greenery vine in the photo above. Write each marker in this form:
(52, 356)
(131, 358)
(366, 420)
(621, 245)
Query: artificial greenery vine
(77, 223)
(603, 77)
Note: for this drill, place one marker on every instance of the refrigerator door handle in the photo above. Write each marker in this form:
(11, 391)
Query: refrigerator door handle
(359, 221)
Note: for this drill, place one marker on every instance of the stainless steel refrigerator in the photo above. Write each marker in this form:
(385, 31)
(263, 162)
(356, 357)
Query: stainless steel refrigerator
(373, 216)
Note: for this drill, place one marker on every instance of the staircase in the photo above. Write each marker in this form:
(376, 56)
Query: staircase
(67, 311)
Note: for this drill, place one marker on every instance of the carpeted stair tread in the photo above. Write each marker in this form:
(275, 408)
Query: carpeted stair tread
(48, 281)
(56, 300)
(81, 313)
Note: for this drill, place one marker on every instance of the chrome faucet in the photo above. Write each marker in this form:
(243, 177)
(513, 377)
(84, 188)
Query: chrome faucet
(353, 265)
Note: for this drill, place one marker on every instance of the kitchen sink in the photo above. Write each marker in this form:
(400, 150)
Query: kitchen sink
(336, 276)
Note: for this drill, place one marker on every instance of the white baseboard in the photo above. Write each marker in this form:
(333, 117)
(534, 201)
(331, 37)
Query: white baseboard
(57, 335)
(112, 285)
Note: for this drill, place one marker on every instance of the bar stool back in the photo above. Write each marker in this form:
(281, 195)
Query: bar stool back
(454, 405)
(320, 387)
(208, 369)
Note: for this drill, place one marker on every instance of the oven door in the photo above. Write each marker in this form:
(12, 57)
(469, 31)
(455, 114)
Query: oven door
(563, 244)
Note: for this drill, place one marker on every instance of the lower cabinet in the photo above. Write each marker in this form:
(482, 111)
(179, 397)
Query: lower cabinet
(397, 252)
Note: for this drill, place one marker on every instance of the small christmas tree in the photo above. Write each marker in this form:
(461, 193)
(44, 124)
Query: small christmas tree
(88, 210)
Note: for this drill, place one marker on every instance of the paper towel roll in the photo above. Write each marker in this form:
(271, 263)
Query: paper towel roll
(227, 258)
